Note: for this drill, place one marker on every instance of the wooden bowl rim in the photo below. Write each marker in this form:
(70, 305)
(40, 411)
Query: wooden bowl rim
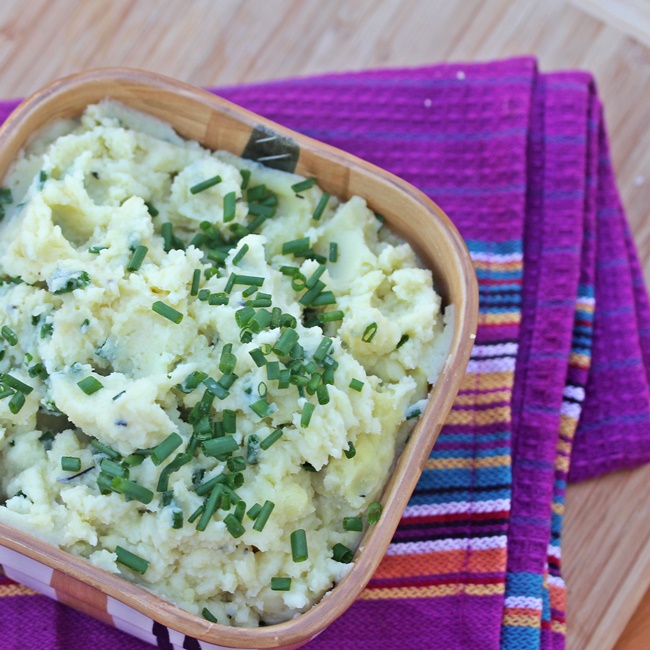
(374, 541)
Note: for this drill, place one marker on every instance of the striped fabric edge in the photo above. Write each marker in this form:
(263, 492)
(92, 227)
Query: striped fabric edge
(467, 478)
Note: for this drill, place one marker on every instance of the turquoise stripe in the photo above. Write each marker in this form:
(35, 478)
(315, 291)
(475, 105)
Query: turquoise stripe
(495, 248)
(458, 495)
(469, 453)
(473, 438)
(491, 274)
(519, 638)
(586, 291)
(477, 477)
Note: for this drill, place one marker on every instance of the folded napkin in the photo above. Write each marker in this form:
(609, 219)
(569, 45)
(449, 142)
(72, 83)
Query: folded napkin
(558, 376)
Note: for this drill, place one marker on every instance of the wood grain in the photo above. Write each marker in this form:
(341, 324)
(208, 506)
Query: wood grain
(220, 42)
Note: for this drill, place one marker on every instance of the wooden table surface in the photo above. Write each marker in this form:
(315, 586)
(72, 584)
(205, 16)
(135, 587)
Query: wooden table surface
(218, 42)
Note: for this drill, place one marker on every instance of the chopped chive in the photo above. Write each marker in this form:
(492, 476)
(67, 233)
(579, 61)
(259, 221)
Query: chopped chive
(177, 518)
(208, 615)
(369, 333)
(295, 245)
(243, 316)
(105, 449)
(380, 217)
(234, 526)
(287, 320)
(96, 250)
(254, 511)
(315, 276)
(256, 193)
(374, 512)
(248, 279)
(167, 233)
(331, 316)
(262, 212)
(204, 294)
(229, 206)
(262, 389)
(284, 378)
(220, 446)
(261, 408)
(77, 280)
(175, 465)
(404, 339)
(263, 515)
(218, 256)
(166, 448)
(196, 514)
(285, 343)
(245, 178)
(151, 208)
(289, 270)
(131, 560)
(240, 254)
(6, 392)
(6, 198)
(113, 469)
(196, 280)
(353, 524)
(273, 370)
(9, 335)
(413, 413)
(258, 357)
(351, 451)
(131, 489)
(299, 551)
(16, 384)
(206, 487)
(240, 511)
(298, 281)
(229, 421)
(236, 464)
(228, 380)
(303, 185)
(211, 506)
(307, 411)
(334, 251)
(308, 297)
(271, 439)
(341, 553)
(138, 257)
(192, 381)
(204, 185)
(320, 208)
(322, 394)
(258, 302)
(252, 449)
(230, 283)
(218, 299)
(249, 292)
(322, 349)
(280, 584)
(70, 463)
(90, 385)
(168, 312)
(324, 298)
(357, 385)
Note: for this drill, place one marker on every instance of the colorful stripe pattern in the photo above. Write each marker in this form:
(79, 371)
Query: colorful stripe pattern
(519, 161)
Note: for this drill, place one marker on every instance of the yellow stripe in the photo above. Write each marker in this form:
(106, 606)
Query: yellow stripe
(564, 446)
(562, 463)
(585, 306)
(498, 266)
(432, 591)
(488, 381)
(558, 627)
(506, 318)
(16, 590)
(568, 426)
(485, 398)
(579, 360)
(467, 463)
(558, 508)
(489, 416)
(520, 620)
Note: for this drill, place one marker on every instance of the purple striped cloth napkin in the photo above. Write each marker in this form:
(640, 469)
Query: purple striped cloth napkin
(557, 387)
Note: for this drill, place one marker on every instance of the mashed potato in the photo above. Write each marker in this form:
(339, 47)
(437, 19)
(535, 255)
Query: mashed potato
(195, 370)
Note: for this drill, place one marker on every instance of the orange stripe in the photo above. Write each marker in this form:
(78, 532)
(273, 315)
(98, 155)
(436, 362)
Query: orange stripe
(433, 564)
(513, 265)
(523, 621)
(467, 463)
(489, 381)
(432, 591)
(16, 590)
(505, 318)
(557, 597)
(580, 360)
(523, 611)
(488, 416)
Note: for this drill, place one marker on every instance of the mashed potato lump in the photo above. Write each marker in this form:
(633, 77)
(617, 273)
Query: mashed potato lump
(206, 365)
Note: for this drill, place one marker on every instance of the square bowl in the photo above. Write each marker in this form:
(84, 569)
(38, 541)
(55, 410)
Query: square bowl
(217, 124)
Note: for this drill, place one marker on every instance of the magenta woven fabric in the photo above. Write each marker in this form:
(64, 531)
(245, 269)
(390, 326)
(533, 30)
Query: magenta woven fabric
(557, 386)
